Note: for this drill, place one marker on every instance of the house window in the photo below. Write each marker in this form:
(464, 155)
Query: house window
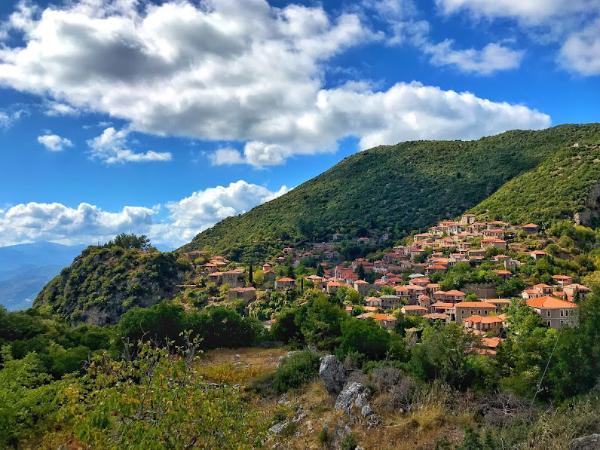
(548, 313)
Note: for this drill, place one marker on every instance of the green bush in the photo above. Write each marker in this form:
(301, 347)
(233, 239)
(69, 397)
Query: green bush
(296, 370)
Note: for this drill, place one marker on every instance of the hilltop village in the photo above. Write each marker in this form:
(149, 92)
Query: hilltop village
(465, 271)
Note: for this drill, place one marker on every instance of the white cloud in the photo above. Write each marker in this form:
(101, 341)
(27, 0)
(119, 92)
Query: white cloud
(54, 142)
(29, 222)
(574, 25)
(55, 109)
(89, 224)
(491, 58)
(529, 11)
(229, 71)
(226, 156)
(9, 117)
(111, 148)
(581, 51)
(204, 208)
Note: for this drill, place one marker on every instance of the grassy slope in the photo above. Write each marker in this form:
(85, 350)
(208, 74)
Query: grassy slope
(397, 189)
(557, 188)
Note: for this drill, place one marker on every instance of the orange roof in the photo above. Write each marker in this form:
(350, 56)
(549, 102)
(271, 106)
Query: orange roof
(383, 317)
(548, 302)
(475, 305)
(491, 342)
(561, 277)
(334, 284)
(360, 282)
(484, 319)
(454, 292)
(285, 280)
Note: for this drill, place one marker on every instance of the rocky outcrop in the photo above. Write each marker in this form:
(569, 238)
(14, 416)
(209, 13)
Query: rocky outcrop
(591, 442)
(333, 374)
(590, 215)
(354, 401)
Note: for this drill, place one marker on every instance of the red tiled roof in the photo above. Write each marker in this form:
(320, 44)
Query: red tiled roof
(475, 305)
(548, 302)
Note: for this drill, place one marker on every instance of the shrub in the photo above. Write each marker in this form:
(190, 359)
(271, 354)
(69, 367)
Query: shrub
(295, 370)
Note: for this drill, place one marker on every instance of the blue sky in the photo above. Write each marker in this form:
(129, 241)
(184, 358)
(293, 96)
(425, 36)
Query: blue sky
(164, 118)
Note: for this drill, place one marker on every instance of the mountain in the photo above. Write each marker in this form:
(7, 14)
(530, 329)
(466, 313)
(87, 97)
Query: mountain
(26, 268)
(105, 281)
(566, 185)
(527, 175)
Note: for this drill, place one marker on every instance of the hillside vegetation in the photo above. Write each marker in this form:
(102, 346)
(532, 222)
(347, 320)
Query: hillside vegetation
(566, 185)
(105, 281)
(401, 188)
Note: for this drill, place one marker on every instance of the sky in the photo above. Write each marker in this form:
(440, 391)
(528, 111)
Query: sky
(165, 117)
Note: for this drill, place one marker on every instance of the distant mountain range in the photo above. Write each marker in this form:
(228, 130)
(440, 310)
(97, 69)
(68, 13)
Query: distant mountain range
(26, 268)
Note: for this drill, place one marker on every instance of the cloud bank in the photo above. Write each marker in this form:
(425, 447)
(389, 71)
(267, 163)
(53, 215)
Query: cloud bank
(88, 224)
(244, 72)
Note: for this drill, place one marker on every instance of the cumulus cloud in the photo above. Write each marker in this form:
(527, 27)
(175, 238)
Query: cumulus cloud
(229, 71)
(574, 25)
(89, 224)
(581, 51)
(226, 156)
(86, 223)
(491, 58)
(203, 209)
(54, 142)
(111, 148)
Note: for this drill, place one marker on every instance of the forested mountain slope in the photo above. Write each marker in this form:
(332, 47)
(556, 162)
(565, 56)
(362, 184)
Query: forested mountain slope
(409, 186)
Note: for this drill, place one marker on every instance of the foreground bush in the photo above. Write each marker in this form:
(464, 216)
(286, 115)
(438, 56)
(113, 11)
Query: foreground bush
(158, 400)
(295, 370)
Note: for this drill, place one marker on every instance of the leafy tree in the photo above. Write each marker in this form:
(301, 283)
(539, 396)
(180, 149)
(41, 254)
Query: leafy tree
(223, 327)
(445, 353)
(320, 270)
(286, 329)
(131, 241)
(159, 323)
(364, 337)
(320, 320)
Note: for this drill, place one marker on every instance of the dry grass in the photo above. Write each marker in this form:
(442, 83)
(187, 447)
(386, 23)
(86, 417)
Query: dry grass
(239, 366)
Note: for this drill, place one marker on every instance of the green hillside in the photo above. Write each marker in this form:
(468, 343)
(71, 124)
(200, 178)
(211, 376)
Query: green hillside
(105, 281)
(566, 185)
(401, 188)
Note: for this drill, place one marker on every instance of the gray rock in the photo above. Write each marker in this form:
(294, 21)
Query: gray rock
(349, 395)
(332, 372)
(591, 442)
(362, 399)
(278, 427)
(366, 411)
